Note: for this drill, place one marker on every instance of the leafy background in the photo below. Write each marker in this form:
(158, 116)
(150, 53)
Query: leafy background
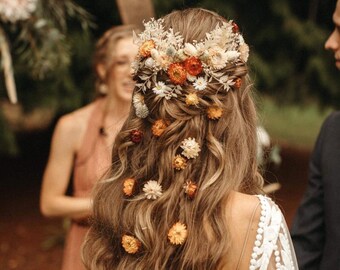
(286, 37)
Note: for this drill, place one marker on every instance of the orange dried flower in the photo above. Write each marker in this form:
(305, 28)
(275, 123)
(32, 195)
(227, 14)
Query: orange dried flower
(128, 186)
(177, 73)
(238, 83)
(190, 189)
(214, 112)
(146, 47)
(178, 234)
(130, 244)
(193, 66)
(179, 162)
(191, 99)
(159, 127)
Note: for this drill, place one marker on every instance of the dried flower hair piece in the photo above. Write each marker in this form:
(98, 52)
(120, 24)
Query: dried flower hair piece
(178, 234)
(238, 83)
(163, 52)
(190, 148)
(179, 163)
(152, 190)
(130, 244)
(190, 188)
(136, 136)
(128, 186)
(191, 99)
(141, 110)
(159, 127)
(214, 112)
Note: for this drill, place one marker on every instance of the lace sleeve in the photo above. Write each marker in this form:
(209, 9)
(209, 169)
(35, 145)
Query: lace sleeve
(273, 248)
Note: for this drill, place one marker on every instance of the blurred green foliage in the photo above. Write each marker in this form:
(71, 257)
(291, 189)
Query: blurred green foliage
(286, 37)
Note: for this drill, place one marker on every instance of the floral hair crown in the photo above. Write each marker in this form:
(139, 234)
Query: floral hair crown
(163, 52)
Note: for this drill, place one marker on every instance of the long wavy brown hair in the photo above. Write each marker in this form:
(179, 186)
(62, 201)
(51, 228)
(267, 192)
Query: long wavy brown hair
(226, 163)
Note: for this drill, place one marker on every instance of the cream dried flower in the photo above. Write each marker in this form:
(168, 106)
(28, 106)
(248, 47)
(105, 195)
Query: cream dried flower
(130, 244)
(178, 234)
(17, 10)
(152, 190)
(200, 84)
(190, 148)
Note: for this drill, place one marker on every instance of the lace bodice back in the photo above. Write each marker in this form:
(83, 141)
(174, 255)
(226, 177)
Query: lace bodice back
(273, 248)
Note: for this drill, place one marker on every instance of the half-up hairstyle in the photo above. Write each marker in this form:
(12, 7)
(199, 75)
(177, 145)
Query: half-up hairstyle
(224, 162)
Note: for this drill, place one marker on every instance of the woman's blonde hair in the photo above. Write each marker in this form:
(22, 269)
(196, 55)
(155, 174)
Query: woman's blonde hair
(227, 162)
(105, 52)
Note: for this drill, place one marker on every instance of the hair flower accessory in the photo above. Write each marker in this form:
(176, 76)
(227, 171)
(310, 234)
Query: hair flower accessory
(159, 127)
(190, 189)
(136, 136)
(152, 190)
(190, 148)
(128, 186)
(191, 99)
(193, 66)
(178, 234)
(238, 83)
(130, 244)
(179, 163)
(214, 112)
(163, 54)
(141, 109)
(200, 84)
(177, 73)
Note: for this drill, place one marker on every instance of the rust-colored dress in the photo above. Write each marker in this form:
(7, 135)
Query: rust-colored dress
(91, 162)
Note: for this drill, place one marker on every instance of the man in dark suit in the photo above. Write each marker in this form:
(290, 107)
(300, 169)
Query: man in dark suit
(316, 228)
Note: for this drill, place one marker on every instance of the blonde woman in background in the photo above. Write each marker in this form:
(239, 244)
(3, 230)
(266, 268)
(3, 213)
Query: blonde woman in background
(82, 140)
(182, 191)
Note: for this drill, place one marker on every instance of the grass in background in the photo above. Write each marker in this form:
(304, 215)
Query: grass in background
(291, 124)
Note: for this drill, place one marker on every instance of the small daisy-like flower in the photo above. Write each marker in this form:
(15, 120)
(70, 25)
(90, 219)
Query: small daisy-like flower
(193, 66)
(128, 186)
(191, 99)
(146, 47)
(130, 244)
(136, 135)
(159, 127)
(238, 83)
(160, 88)
(152, 190)
(200, 84)
(190, 148)
(178, 234)
(179, 163)
(177, 73)
(190, 189)
(214, 112)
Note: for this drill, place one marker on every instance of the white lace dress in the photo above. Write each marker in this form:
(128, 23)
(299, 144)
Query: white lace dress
(273, 248)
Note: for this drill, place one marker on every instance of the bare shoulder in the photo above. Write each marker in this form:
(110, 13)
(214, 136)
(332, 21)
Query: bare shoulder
(242, 205)
(71, 127)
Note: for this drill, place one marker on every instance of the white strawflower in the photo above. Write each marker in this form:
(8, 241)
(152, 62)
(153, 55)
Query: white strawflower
(16, 10)
(218, 58)
(160, 89)
(190, 148)
(232, 55)
(200, 84)
(152, 190)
